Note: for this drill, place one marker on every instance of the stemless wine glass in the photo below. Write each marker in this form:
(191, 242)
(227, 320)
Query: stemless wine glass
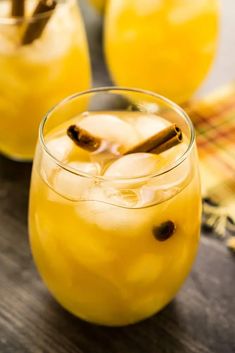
(151, 44)
(114, 243)
(43, 58)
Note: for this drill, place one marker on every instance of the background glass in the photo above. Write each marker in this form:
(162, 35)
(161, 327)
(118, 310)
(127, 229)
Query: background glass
(36, 75)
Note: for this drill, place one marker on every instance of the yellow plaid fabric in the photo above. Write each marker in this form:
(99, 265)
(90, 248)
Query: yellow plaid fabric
(214, 120)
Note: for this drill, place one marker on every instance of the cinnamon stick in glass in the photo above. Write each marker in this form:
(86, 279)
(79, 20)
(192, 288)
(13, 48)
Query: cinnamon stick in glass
(84, 139)
(168, 144)
(158, 143)
(17, 9)
(38, 23)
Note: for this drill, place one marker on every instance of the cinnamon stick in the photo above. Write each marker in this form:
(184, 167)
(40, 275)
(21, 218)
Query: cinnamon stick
(83, 138)
(168, 144)
(36, 26)
(158, 143)
(17, 9)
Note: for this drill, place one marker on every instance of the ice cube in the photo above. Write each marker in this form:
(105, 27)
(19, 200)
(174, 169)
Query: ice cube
(162, 184)
(173, 154)
(72, 186)
(55, 40)
(135, 165)
(145, 270)
(8, 40)
(5, 8)
(173, 179)
(133, 192)
(110, 128)
(75, 186)
(60, 147)
(149, 124)
(63, 149)
(114, 216)
(88, 247)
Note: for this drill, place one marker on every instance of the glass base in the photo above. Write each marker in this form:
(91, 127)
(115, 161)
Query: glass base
(17, 157)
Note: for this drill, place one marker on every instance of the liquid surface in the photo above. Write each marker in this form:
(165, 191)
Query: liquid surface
(96, 239)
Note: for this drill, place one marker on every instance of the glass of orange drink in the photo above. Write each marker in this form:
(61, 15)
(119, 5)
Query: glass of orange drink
(115, 203)
(152, 44)
(43, 58)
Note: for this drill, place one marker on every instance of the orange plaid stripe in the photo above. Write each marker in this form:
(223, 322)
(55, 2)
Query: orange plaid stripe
(214, 120)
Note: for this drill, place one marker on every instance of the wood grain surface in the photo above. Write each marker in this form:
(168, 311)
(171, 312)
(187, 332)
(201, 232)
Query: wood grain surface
(200, 320)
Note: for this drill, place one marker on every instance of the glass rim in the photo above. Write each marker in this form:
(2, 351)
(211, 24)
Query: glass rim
(13, 20)
(173, 105)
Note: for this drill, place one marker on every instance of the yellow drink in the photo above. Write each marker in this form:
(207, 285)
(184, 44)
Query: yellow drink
(94, 225)
(166, 46)
(35, 77)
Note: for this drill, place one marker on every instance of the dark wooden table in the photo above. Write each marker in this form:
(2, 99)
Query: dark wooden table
(200, 320)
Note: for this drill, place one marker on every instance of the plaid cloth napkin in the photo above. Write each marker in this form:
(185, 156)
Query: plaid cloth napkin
(214, 120)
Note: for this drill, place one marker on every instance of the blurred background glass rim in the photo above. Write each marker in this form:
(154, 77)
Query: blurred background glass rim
(11, 21)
